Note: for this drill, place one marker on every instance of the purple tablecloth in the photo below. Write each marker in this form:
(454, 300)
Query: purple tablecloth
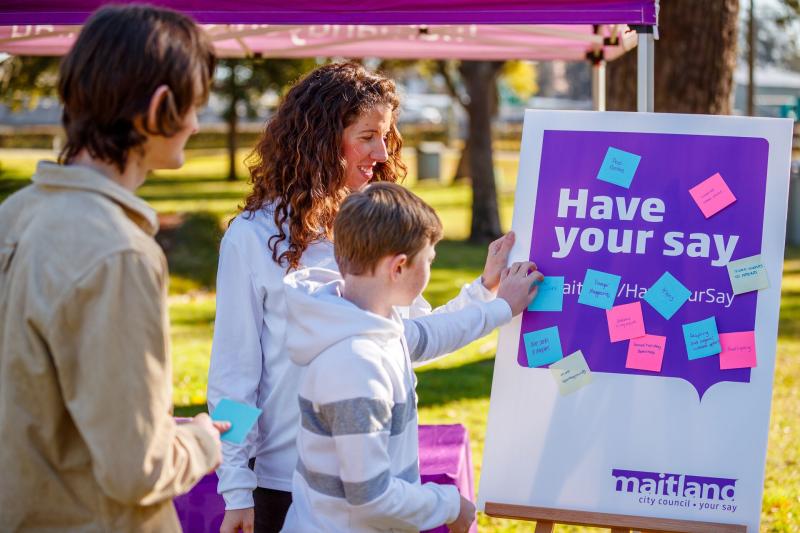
(444, 458)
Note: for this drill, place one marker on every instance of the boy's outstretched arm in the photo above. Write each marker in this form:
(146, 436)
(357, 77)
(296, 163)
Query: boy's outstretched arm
(440, 333)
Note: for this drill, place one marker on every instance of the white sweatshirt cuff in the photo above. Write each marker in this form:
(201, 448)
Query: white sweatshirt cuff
(498, 311)
(453, 499)
(477, 291)
(238, 499)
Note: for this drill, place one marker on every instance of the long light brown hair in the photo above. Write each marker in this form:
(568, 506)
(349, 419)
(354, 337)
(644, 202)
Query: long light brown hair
(297, 167)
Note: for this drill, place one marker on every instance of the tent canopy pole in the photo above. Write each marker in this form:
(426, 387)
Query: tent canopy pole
(645, 70)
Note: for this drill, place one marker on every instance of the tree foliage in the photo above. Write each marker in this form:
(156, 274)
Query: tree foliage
(241, 84)
(520, 77)
(777, 33)
(25, 80)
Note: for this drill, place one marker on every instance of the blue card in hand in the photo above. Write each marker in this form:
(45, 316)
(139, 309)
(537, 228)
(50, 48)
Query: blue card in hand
(241, 416)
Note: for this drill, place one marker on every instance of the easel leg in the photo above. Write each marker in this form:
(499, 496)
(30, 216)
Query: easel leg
(544, 526)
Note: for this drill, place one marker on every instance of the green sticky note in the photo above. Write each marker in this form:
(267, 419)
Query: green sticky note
(748, 274)
(571, 373)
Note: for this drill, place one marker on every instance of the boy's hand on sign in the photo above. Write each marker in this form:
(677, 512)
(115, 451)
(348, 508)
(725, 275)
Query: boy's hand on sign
(204, 422)
(496, 260)
(238, 519)
(465, 517)
(518, 285)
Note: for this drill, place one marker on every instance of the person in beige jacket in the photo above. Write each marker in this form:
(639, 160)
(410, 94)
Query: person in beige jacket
(88, 438)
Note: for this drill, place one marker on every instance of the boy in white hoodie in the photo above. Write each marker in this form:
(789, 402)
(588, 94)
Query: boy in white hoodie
(358, 464)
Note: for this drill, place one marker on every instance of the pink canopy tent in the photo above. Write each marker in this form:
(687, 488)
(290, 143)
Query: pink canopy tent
(398, 42)
(640, 12)
(463, 29)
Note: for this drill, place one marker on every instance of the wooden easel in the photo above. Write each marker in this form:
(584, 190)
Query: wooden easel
(546, 519)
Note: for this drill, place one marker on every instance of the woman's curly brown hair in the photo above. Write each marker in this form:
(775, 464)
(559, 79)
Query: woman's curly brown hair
(297, 166)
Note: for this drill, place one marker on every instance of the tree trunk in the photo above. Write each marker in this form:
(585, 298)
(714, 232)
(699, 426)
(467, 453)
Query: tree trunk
(480, 79)
(462, 170)
(694, 60)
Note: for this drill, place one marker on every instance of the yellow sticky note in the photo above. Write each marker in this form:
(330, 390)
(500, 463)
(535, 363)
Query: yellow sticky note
(571, 373)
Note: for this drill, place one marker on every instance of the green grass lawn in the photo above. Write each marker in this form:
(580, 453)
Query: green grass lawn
(455, 389)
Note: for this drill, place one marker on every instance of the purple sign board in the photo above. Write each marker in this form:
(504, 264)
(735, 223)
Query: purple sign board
(640, 232)
(619, 397)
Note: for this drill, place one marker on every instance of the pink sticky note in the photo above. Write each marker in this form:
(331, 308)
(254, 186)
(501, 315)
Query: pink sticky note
(738, 350)
(646, 353)
(625, 321)
(712, 195)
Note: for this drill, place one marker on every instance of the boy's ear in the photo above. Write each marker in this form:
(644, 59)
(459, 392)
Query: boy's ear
(396, 265)
(156, 101)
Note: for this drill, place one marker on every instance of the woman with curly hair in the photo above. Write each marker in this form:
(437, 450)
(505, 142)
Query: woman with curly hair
(334, 132)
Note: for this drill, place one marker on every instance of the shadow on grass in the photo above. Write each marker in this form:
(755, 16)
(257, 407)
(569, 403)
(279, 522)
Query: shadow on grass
(192, 248)
(439, 386)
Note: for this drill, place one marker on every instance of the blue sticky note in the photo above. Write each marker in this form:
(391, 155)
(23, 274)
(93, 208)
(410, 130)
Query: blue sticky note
(550, 296)
(618, 167)
(701, 338)
(241, 416)
(667, 295)
(543, 346)
(599, 289)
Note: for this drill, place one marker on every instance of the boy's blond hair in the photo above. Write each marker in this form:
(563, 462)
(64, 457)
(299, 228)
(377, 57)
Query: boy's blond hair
(384, 219)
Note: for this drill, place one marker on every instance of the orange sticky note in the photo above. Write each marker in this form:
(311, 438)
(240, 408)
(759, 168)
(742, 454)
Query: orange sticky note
(646, 353)
(625, 322)
(738, 350)
(712, 195)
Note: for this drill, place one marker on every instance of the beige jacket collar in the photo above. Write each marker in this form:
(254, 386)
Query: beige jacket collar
(49, 174)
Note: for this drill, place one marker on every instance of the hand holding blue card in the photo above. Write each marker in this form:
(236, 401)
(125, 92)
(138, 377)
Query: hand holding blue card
(241, 416)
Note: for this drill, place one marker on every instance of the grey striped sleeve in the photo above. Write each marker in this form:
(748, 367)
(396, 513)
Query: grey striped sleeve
(422, 342)
(356, 416)
(410, 474)
(356, 493)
